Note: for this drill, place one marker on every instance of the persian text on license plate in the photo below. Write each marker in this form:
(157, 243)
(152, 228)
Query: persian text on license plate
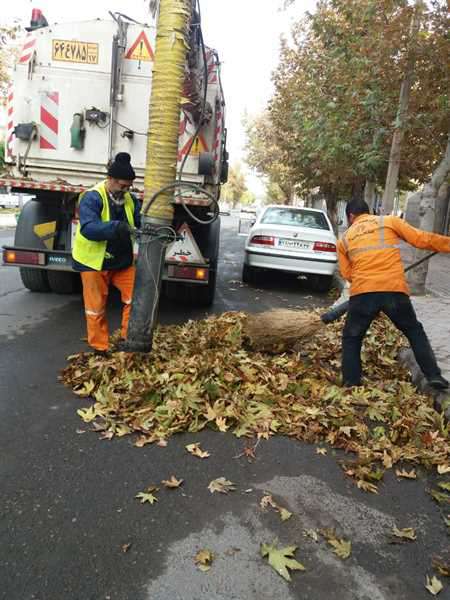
(294, 244)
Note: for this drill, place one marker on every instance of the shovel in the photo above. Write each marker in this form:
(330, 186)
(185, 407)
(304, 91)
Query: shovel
(338, 311)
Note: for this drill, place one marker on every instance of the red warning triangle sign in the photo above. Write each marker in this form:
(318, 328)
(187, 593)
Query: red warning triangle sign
(140, 49)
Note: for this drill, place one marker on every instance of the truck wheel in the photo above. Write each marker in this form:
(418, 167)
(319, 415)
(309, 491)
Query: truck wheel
(63, 282)
(34, 280)
(33, 213)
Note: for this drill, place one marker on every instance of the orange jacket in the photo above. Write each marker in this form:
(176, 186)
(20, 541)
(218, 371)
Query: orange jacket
(369, 252)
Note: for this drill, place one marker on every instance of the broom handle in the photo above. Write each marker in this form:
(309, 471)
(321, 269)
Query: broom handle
(341, 309)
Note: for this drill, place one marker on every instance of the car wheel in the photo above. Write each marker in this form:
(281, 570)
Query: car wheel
(321, 283)
(249, 274)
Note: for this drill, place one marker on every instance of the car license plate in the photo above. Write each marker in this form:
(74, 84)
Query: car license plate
(294, 244)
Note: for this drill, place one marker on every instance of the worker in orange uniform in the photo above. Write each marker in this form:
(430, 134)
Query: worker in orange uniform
(103, 249)
(369, 258)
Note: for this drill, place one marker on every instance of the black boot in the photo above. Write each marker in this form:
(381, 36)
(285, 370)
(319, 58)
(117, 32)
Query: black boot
(438, 382)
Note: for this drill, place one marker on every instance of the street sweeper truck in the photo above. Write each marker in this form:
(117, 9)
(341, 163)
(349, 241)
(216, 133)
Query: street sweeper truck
(79, 95)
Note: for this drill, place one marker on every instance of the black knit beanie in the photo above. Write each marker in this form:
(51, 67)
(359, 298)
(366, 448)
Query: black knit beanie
(121, 167)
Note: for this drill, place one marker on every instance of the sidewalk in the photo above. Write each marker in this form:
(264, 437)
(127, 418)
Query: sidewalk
(433, 310)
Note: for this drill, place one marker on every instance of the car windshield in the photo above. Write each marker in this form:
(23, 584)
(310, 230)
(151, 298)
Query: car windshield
(295, 218)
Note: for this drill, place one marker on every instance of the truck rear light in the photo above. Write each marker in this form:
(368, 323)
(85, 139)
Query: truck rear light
(184, 272)
(324, 247)
(263, 240)
(20, 257)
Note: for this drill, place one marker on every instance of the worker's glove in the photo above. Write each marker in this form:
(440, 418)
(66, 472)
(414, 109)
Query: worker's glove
(123, 231)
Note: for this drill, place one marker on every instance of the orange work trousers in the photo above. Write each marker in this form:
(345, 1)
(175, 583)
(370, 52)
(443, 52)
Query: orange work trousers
(95, 294)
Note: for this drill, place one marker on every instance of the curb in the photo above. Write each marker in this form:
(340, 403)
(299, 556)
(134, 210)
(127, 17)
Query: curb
(441, 399)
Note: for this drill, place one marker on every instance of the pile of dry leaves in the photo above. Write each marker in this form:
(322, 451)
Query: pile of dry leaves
(202, 374)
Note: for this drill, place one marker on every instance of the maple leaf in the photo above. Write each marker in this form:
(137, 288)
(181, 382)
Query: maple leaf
(443, 568)
(443, 469)
(281, 559)
(195, 450)
(433, 585)
(311, 533)
(172, 483)
(366, 486)
(407, 533)
(341, 547)
(203, 559)
(440, 497)
(444, 485)
(267, 501)
(322, 451)
(284, 514)
(221, 423)
(146, 497)
(406, 474)
(87, 414)
(221, 485)
(126, 547)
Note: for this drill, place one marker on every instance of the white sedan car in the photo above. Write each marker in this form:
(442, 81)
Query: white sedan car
(297, 240)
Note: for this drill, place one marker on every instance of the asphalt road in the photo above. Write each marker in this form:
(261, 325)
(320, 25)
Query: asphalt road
(67, 505)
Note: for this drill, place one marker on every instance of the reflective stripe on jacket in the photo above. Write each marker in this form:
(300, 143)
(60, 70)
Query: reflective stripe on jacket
(92, 253)
(369, 252)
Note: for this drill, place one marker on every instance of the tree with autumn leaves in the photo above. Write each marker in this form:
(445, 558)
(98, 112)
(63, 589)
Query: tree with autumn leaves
(333, 113)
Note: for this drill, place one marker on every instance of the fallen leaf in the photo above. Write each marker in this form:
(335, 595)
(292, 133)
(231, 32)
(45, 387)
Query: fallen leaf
(162, 443)
(203, 559)
(443, 568)
(322, 451)
(126, 547)
(440, 497)
(221, 485)
(407, 533)
(267, 501)
(341, 547)
(284, 514)
(366, 486)
(443, 469)
(406, 474)
(444, 485)
(195, 450)
(433, 585)
(281, 559)
(311, 533)
(147, 495)
(173, 482)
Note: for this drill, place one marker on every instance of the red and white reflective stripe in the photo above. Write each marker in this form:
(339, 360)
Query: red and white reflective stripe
(76, 189)
(27, 49)
(217, 135)
(48, 139)
(212, 66)
(10, 123)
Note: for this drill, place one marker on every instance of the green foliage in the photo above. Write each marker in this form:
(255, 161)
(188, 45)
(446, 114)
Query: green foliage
(8, 34)
(265, 154)
(337, 88)
(236, 187)
(2, 154)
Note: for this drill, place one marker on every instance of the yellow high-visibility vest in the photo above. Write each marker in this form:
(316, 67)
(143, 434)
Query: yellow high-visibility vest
(90, 253)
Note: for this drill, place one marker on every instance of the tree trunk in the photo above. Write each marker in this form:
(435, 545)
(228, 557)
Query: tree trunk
(430, 193)
(331, 202)
(399, 131)
(369, 194)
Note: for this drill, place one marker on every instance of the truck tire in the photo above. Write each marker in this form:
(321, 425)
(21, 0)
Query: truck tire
(34, 280)
(33, 213)
(63, 282)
